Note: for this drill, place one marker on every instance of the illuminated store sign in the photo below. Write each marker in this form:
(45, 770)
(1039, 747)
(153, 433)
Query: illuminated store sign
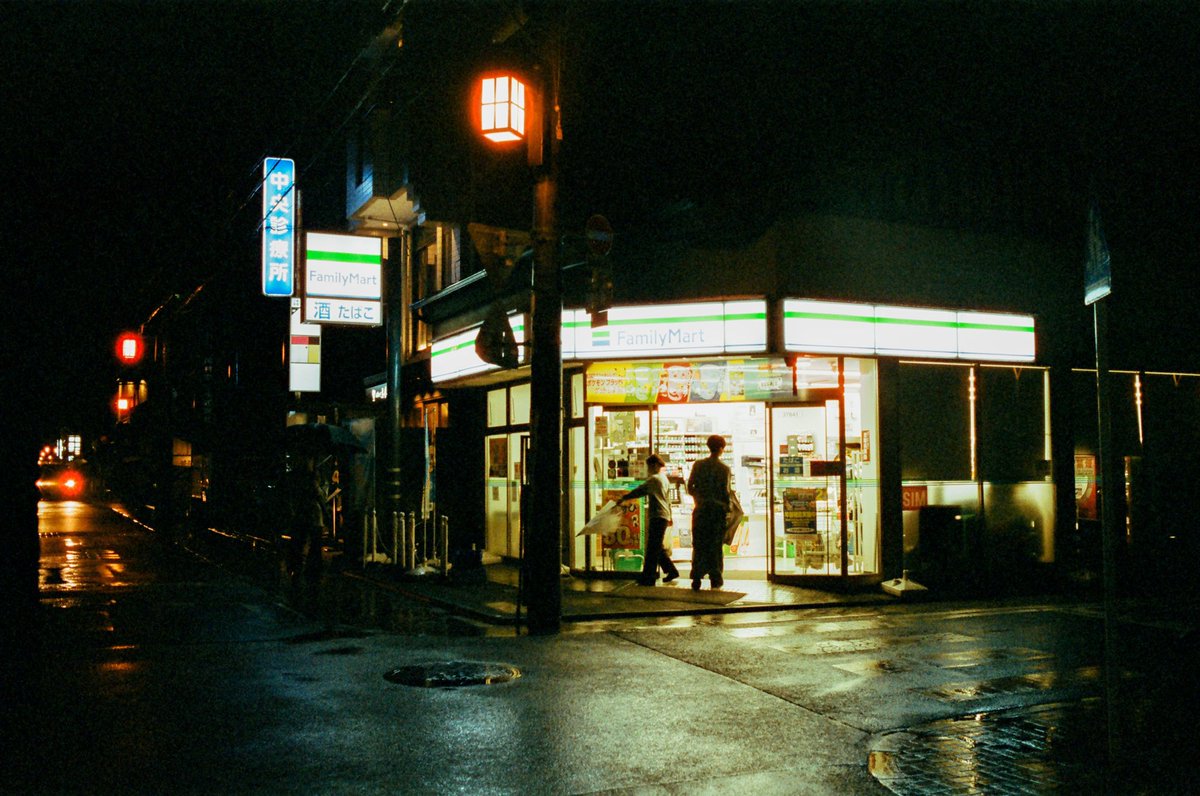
(454, 357)
(678, 382)
(825, 326)
(715, 327)
(278, 226)
(343, 279)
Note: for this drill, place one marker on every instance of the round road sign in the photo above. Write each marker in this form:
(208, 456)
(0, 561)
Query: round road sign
(599, 234)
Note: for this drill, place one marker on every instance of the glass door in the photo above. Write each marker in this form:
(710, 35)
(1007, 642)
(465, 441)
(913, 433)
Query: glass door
(824, 491)
(806, 488)
(620, 438)
(505, 464)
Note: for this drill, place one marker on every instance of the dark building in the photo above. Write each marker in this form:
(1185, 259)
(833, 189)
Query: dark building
(849, 239)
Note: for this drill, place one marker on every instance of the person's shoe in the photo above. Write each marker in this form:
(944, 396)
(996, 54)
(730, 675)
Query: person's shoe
(716, 584)
(647, 582)
(670, 578)
(695, 585)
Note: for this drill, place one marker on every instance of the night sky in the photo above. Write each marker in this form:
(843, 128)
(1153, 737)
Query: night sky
(133, 133)
(133, 140)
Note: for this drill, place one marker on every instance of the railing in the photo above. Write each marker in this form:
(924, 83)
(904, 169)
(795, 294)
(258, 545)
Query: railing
(418, 546)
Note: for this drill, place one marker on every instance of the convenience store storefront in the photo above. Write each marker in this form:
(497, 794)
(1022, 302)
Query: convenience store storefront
(794, 388)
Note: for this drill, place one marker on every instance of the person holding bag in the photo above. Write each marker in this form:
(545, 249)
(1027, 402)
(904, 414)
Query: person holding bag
(658, 510)
(708, 485)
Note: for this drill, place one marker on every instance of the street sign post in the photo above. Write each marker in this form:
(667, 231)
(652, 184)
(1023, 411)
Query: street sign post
(599, 234)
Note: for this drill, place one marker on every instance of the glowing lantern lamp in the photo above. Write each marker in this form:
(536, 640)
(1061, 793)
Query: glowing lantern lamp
(502, 109)
(129, 348)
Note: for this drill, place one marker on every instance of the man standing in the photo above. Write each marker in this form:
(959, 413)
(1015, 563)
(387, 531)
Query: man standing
(708, 485)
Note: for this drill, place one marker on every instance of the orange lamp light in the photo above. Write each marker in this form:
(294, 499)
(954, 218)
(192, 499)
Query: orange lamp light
(502, 108)
(130, 347)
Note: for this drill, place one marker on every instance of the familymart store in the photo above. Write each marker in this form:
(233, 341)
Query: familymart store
(793, 386)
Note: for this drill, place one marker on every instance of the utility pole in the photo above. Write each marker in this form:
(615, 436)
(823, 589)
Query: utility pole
(542, 557)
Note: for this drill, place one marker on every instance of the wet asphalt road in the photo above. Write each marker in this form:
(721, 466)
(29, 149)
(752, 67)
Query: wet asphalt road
(159, 671)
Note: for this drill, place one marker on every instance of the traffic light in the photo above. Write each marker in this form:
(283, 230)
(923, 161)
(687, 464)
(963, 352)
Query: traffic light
(130, 347)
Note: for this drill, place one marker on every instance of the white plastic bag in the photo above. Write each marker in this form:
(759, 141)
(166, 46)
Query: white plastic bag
(603, 521)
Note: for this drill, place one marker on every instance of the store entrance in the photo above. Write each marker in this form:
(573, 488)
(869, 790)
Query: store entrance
(680, 434)
(824, 486)
(622, 438)
(803, 467)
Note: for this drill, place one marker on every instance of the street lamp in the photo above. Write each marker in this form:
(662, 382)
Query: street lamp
(502, 108)
(130, 347)
(506, 104)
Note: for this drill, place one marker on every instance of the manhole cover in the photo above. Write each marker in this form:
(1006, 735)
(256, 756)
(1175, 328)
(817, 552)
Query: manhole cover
(453, 674)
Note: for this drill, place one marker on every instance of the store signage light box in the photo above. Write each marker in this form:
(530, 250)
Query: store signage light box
(869, 329)
(704, 328)
(454, 357)
(278, 226)
(343, 279)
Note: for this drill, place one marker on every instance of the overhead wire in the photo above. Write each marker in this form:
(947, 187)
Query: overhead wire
(380, 42)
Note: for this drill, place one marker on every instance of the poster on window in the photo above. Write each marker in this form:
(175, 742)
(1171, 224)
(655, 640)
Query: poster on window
(1085, 487)
(800, 510)
(498, 457)
(628, 535)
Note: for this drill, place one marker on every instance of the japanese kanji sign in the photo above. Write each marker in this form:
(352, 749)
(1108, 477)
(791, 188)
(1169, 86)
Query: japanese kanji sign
(278, 227)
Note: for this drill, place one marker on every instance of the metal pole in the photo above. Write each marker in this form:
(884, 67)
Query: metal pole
(398, 252)
(1108, 529)
(445, 546)
(395, 539)
(366, 529)
(411, 542)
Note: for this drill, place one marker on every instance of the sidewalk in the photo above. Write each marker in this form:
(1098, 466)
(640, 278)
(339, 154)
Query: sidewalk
(492, 594)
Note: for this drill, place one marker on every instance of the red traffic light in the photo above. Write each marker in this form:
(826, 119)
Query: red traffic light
(130, 347)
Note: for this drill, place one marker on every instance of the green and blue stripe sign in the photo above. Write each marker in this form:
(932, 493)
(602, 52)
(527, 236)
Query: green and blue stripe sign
(881, 330)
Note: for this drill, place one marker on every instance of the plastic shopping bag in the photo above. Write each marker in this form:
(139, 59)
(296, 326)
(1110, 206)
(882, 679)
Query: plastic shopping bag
(734, 518)
(603, 521)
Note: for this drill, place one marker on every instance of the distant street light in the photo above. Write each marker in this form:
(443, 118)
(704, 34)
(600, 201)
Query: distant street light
(506, 104)
(130, 347)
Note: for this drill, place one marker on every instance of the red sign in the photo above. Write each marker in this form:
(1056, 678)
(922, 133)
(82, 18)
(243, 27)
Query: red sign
(628, 535)
(914, 497)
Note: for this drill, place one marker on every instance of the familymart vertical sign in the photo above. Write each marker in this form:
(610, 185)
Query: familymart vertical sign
(343, 279)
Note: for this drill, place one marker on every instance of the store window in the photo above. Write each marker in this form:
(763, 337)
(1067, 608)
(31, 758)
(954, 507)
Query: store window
(497, 408)
(519, 403)
(619, 444)
(505, 461)
(978, 496)
(577, 395)
(1014, 465)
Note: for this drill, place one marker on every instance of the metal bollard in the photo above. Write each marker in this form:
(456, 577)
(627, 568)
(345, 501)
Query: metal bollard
(396, 527)
(445, 523)
(366, 529)
(411, 560)
(427, 534)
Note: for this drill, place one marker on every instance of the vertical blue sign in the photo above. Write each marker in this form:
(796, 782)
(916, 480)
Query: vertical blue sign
(278, 226)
